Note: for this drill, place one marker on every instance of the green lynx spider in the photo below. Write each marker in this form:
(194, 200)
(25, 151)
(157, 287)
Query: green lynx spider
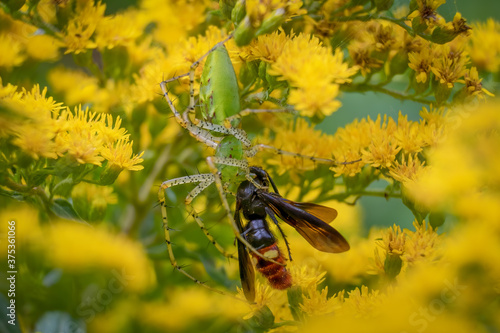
(220, 108)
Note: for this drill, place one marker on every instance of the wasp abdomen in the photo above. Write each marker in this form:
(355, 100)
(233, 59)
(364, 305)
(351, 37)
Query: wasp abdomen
(277, 275)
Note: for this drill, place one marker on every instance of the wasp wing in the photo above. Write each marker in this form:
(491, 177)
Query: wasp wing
(318, 233)
(247, 273)
(325, 214)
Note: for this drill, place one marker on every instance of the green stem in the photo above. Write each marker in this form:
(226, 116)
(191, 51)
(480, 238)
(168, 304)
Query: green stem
(36, 21)
(367, 193)
(364, 87)
(366, 18)
(37, 191)
(379, 193)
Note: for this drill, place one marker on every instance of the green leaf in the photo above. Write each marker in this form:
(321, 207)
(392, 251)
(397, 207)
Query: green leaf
(64, 187)
(436, 219)
(263, 319)
(64, 209)
(294, 300)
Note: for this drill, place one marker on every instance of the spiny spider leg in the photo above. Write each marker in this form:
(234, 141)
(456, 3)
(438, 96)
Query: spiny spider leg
(211, 238)
(196, 132)
(261, 147)
(205, 180)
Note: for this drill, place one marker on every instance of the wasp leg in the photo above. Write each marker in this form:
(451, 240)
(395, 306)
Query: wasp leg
(212, 161)
(270, 212)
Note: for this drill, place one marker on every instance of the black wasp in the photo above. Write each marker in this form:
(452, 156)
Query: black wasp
(310, 220)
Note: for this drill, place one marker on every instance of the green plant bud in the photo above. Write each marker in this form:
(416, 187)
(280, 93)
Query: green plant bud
(418, 210)
(109, 175)
(64, 187)
(418, 25)
(383, 4)
(392, 265)
(38, 177)
(14, 5)
(441, 92)
(272, 80)
(295, 298)
(443, 36)
(263, 70)
(399, 63)
(413, 5)
(419, 87)
(244, 33)
(272, 23)
(239, 12)
(436, 219)
(248, 73)
(90, 211)
(263, 319)
(226, 7)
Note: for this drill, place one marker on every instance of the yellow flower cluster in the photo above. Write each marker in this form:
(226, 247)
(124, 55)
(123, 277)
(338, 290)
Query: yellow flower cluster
(40, 127)
(310, 68)
(20, 42)
(464, 176)
(394, 148)
(80, 248)
(483, 46)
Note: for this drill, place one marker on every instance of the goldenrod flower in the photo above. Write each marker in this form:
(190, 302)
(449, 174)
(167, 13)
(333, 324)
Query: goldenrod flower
(120, 155)
(381, 151)
(449, 67)
(76, 86)
(308, 277)
(302, 138)
(12, 52)
(117, 30)
(469, 148)
(422, 244)
(90, 200)
(183, 17)
(317, 303)
(78, 137)
(484, 45)
(77, 248)
(408, 169)
(393, 241)
(427, 11)
(43, 47)
(267, 48)
(187, 305)
(360, 53)
(81, 28)
(421, 62)
(34, 131)
(314, 73)
(473, 86)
